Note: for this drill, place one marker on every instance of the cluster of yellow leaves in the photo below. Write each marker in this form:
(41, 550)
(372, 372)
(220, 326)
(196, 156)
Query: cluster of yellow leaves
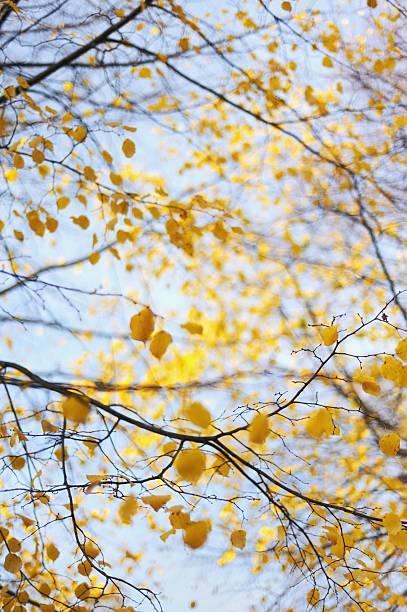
(195, 533)
(142, 326)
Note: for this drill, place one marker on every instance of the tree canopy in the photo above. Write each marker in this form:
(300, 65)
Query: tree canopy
(203, 302)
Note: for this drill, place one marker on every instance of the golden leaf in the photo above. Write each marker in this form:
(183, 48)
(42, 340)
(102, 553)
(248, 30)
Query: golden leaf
(258, 429)
(190, 464)
(142, 325)
(76, 409)
(329, 335)
(156, 501)
(196, 533)
(238, 538)
(390, 444)
(198, 415)
(159, 343)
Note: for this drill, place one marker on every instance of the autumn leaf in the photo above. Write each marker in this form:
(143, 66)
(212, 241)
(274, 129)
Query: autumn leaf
(190, 464)
(390, 444)
(329, 335)
(128, 147)
(401, 349)
(12, 563)
(142, 325)
(159, 343)
(128, 509)
(52, 552)
(320, 424)
(193, 328)
(238, 538)
(392, 523)
(198, 415)
(196, 533)
(156, 501)
(76, 409)
(313, 597)
(258, 429)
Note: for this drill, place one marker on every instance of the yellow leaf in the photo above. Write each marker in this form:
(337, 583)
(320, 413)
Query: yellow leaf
(51, 224)
(371, 387)
(85, 567)
(227, 557)
(79, 134)
(313, 597)
(17, 463)
(238, 538)
(258, 429)
(184, 44)
(164, 536)
(107, 157)
(12, 563)
(401, 349)
(18, 161)
(320, 424)
(62, 202)
(82, 221)
(390, 444)
(156, 501)
(47, 426)
(37, 156)
(392, 523)
(94, 258)
(142, 325)
(392, 369)
(89, 173)
(128, 509)
(329, 335)
(159, 343)
(58, 453)
(82, 591)
(11, 174)
(178, 518)
(91, 549)
(145, 73)
(52, 552)
(193, 328)
(198, 415)
(128, 147)
(190, 464)
(116, 179)
(196, 533)
(75, 409)
(221, 466)
(286, 6)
